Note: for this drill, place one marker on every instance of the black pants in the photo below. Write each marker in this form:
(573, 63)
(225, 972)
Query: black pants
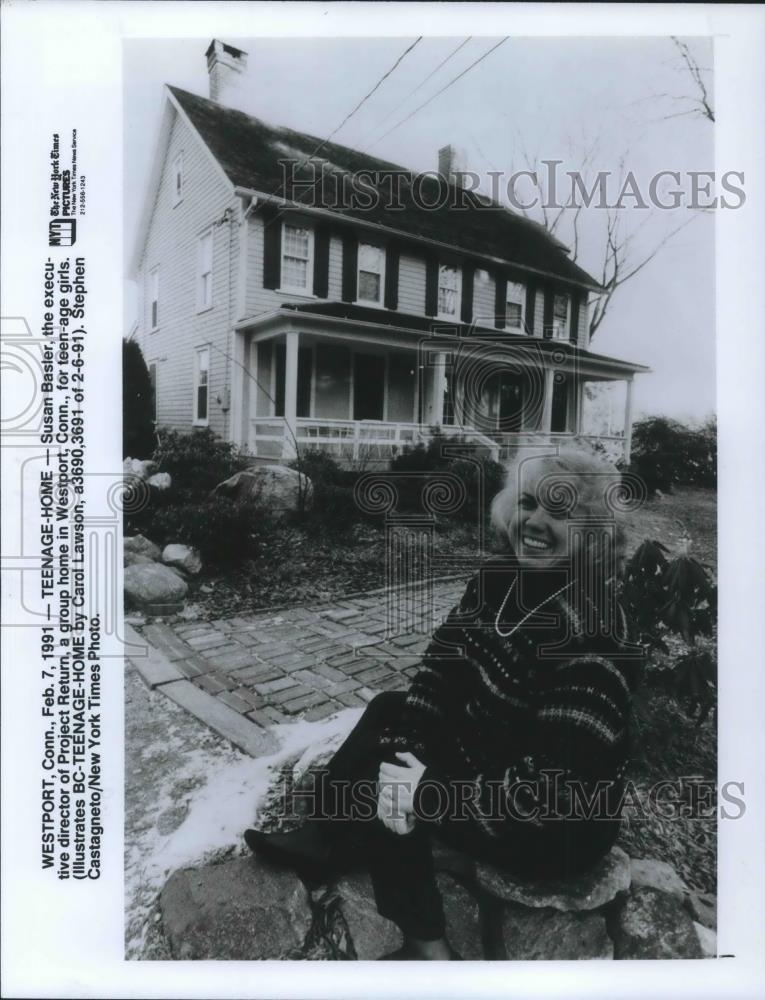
(401, 866)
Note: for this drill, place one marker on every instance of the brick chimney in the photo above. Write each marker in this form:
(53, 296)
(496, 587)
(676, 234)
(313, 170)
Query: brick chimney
(452, 161)
(227, 67)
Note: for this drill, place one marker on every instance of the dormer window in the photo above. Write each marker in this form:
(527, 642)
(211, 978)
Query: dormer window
(448, 291)
(178, 179)
(561, 308)
(297, 259)
(516, 297)
(371, 274)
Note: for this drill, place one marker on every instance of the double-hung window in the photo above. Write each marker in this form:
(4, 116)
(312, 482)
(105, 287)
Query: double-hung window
(560, 316)
(297, 259)
(205, 271)
(371, 273)
(178, 179)
(516, 296)
(154, 298)
(202, 386)
(448, 291)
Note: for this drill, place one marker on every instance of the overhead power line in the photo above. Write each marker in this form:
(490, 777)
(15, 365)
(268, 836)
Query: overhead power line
(441, 91)
(420, 85)
(350, 114)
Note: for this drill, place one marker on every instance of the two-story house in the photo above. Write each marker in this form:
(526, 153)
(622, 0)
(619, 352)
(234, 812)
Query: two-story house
(286, 314)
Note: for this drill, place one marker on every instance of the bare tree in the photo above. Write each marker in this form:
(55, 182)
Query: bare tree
(697, 103)
(616, 255)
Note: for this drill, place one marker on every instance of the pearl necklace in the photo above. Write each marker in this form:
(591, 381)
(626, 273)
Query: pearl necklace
(514, 629)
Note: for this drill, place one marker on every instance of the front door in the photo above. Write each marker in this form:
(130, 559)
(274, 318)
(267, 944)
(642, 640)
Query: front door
(368, 387)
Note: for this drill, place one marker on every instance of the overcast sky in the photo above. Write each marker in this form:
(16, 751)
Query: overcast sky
(548, 97)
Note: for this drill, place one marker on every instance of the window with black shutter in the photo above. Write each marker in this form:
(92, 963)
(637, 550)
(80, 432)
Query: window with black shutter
(350, 264)
(391, 276)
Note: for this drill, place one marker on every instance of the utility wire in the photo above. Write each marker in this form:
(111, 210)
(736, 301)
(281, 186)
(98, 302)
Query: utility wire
(441, 91)
(350, 114)
(419, 86)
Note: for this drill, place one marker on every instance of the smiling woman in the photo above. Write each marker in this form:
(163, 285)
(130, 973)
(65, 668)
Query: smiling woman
(511, 743)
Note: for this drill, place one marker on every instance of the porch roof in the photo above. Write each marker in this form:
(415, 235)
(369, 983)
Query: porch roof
(413, 323)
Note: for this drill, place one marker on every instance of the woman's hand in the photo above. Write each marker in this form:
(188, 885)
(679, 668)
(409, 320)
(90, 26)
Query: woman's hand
(395, 804)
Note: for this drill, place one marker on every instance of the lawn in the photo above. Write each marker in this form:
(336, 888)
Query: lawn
(300, 565)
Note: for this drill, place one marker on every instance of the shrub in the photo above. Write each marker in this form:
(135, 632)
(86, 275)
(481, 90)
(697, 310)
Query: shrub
(320, 466)
(334, 507)
(481, 477)
(225, 531)
(665, 452)
(197, 462)
(138, 438)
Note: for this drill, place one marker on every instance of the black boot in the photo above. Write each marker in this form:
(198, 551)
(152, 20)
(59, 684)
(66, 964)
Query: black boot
(304, 850)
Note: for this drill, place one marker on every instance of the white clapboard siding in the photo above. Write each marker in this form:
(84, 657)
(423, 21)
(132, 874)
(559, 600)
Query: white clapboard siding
(172, 243)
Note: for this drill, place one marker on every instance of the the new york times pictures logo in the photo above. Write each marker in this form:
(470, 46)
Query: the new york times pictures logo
(64, 202)
(62, 232)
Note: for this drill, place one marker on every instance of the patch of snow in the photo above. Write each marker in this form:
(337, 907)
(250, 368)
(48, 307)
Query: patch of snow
(224, 794)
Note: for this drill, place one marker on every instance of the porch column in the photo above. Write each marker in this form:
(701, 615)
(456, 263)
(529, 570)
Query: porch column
(578, 427)
(238, 390)
(547, 408)
(290, 394)
(628, 422)
(439, 389)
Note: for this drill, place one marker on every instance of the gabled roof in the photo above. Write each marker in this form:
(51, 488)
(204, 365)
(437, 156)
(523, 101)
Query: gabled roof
(248, 152)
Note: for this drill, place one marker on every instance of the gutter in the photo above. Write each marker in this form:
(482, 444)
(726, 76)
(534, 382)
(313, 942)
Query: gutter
(574, 353)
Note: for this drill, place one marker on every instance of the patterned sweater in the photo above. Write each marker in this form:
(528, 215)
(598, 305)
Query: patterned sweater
(510, 711)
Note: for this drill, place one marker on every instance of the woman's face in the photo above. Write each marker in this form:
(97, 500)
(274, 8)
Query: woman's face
(538, 530)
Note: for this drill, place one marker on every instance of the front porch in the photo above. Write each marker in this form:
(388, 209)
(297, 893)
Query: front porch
(364, 396)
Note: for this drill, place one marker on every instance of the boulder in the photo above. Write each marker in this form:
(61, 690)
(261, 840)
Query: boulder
(154, 588)
(702, 907)
(182, 557)
(135, 467)
(653, 924)
(547, 934)
(371, 934)
(239, 910)
(707, 940)
(463, 918)
(659, 875)
(141, 546)
(160, 481)
(277, 486)
(135, 559)
(588, 891)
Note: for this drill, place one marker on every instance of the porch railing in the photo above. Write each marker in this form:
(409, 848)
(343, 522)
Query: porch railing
(349, 439)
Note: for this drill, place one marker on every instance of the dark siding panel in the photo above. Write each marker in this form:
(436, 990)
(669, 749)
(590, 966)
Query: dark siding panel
(531, 303)
(431, 286)
(272, 248)
(500, 300)
(350, 267)
(573, 333)
(391, 276)
(321, 262)
(548, 312)
(468, 280)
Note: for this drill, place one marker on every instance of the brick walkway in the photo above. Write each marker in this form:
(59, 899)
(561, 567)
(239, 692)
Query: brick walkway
(302, 661)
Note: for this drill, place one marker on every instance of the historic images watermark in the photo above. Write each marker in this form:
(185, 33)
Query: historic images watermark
(318, 184)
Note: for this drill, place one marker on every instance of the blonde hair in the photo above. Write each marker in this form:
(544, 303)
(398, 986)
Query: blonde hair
(576, 481)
